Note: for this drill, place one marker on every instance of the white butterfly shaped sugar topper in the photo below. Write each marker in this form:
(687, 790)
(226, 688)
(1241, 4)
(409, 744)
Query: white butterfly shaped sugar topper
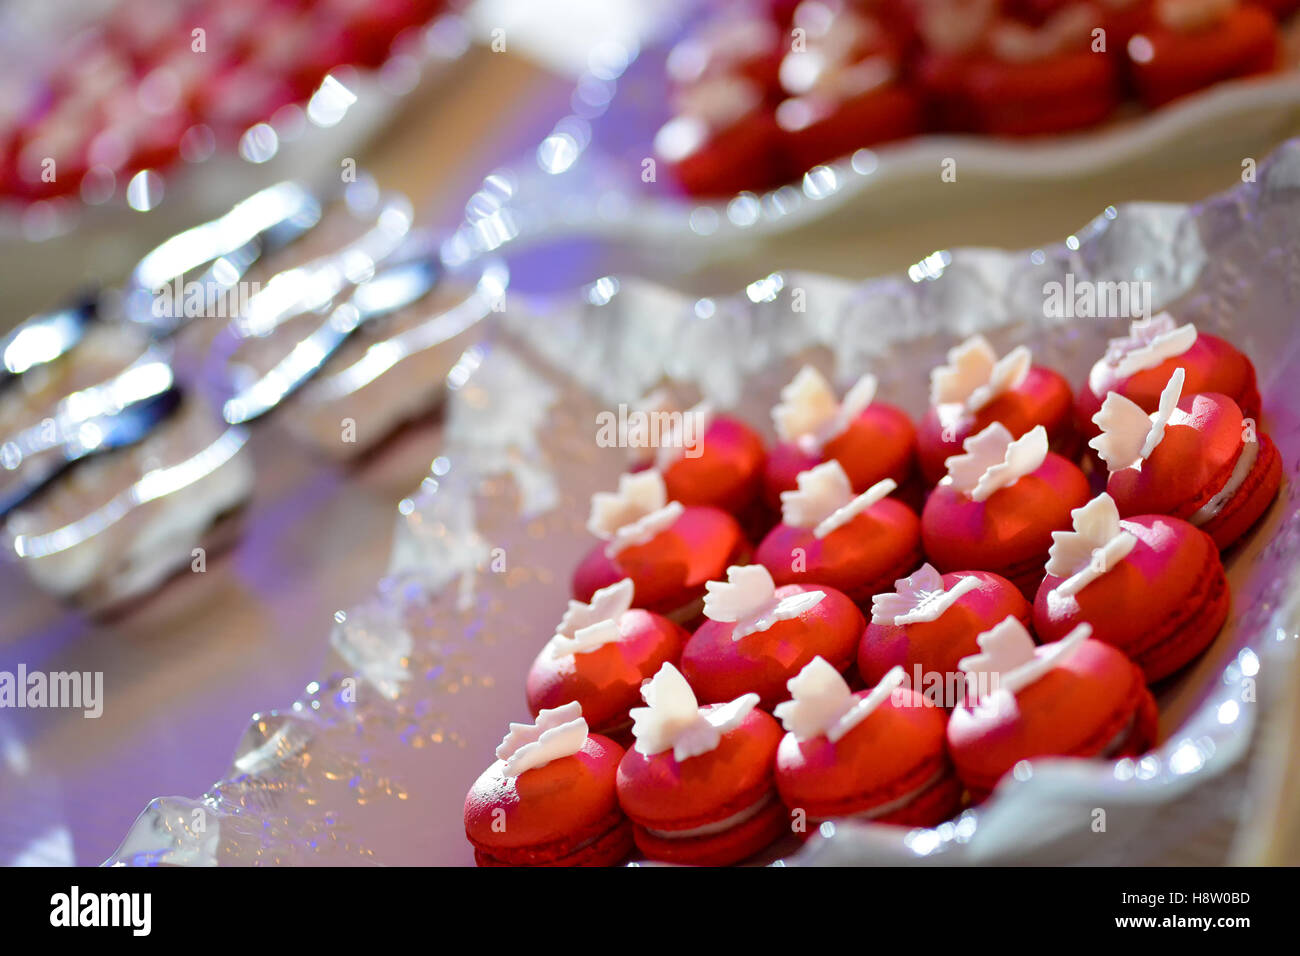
(748, 598)
(809, 414)
(682, 429)
(672, 719)
(634, 514)
(974, 375)
(1009, 661)
(558, 732)
(822, 702)
(1128, 434)
(586, 627)
(1092, 549)
(1148, 343)
(824, 499)
(919, 597)
(993, 460)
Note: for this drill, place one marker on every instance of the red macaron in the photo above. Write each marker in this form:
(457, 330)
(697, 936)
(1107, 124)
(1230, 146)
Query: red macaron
(1071, 698)
(1151, 585)
(1197, 457)
(550, 799)
(1042, 79)
(667, 549)
(930, 622)
(858, 544)
(999, 504)
(952, 35)
(1138, 366)
(976, 388)
(757, 636)
(599, 656)
(1189, 46)
(878, 755)
(871, 440)
(723, 140)
(698, 783)
(707, 459)
(850, 106)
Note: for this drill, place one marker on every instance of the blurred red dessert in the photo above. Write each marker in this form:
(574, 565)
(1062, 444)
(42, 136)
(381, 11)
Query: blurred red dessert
(1043, 79)
(1191, 44)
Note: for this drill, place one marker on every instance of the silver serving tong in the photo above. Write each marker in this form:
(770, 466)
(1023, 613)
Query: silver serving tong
(103, 418)
(44, 338)
(223, 249)
(389, 290)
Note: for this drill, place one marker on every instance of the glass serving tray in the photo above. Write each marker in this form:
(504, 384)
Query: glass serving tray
(370, 765)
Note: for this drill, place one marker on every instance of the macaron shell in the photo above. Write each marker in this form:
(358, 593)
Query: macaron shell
(549, 805)
(1043, 398)
(611, 847)
(1076, 710)
(860, 558)
(726, 474)
(607, 681)
(936, 646)
(1011, 528)
(669, 571)
(719, 849)
(1162, 605)
(1195, 458)
(1067, 91)
(895, 750)
(1252, 499)
(659, 792)
(1210, 365)
(822, 131)
(880, 443)
(1243, 42)
(720, 669)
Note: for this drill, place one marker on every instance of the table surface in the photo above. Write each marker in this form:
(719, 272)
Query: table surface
(184, 670)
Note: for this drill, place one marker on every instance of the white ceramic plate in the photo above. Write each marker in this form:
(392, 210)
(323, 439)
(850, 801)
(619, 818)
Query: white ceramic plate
(587, 178)
(371, 764)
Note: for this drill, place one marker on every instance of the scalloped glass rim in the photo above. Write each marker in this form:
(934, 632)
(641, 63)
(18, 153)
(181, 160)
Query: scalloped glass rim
(312, 783)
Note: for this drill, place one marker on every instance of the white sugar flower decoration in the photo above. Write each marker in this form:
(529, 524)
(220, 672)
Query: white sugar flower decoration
(824, 499)
(823, 703)
(1128, 434)
(809, 413)
(672, 719)
(650, 405)
(993, 460)
(1148, 343)
(974, 375)
(919, 597)
(560, 732)
(586, 627)
(634, 514)
(1008, 660)
(748, 598)
(1093, 548)
(684, 435)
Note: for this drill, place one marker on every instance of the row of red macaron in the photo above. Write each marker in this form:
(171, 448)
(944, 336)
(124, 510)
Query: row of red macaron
(764, 91)
(717, 784)
(1170, 416)
(1150, 586)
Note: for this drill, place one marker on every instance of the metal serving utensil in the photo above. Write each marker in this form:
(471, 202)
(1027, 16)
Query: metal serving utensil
(387, 291)
(223, 248)
(45, 338)
(106, 417)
